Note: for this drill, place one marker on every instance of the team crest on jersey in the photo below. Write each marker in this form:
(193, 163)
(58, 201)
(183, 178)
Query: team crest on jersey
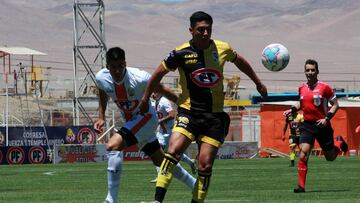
(206, 77)
(127, 105)
(215, 56)
(317, 100)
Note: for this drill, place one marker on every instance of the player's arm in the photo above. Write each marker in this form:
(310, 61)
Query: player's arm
(167, 93)
(284, 129)
(153, 83)
(245, 67)
(330, 114)
(295, 108)
(170, 115)
(103, 100)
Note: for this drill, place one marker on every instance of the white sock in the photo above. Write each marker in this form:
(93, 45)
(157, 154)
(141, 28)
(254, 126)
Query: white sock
(113, 173)
(181, 174)
(186, 159)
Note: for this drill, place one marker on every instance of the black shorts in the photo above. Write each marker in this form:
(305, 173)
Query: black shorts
(309, 131)
(211, 128)
(293, 140)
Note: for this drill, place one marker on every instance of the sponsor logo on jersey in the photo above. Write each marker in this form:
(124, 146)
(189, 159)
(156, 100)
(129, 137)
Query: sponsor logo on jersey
(126, 105)
(206, 77)
(215, 56)
(15, 155)
(37, 155)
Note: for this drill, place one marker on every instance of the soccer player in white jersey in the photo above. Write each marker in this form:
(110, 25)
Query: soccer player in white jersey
(126, 87)
(166, 115)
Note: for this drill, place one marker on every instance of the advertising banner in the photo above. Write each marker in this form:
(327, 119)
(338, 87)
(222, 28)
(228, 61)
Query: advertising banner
(230, 150)
(52, 135)
(24, 155)
(79, 153)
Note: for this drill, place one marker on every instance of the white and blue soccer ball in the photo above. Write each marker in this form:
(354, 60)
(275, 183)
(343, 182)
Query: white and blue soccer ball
(275, 57)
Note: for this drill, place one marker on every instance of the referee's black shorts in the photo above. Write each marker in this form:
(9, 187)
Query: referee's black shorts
(309, 131)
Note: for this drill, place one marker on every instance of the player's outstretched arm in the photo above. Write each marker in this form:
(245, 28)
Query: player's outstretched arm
(103, 99)
(153, 83)
(245, 67)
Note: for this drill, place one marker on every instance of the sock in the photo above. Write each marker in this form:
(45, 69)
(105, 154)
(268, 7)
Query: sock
(302, 171)
(185, 158)
(292, 155)
(113, 174)
(337, 145)
(164, 176)
(181, 174)
(201, 186)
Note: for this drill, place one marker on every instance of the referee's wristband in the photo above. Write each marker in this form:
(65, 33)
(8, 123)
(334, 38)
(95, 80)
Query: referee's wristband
(329, 116)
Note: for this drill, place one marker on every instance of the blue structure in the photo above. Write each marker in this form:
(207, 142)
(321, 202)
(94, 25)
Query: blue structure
(293, 96)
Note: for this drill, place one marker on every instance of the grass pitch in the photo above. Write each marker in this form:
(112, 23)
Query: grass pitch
(255, 180)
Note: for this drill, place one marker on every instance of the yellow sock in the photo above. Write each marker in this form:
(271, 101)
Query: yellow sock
(292, 155)
(201, 186)
(165, 172)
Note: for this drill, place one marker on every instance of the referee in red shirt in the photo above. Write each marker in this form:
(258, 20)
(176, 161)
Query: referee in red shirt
(314, 99)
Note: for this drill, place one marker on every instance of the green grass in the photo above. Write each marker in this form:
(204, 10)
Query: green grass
(255, 180)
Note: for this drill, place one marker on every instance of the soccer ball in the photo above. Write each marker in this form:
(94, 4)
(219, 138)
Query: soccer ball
(275, 57)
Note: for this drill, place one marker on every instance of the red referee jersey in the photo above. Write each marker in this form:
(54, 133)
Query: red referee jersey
(314, 100)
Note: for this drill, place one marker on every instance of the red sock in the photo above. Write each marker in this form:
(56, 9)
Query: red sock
(337, 145)
(302, 171)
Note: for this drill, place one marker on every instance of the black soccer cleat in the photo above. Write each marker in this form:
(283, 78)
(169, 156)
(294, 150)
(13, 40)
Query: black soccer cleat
(344, 146)
(299, 190)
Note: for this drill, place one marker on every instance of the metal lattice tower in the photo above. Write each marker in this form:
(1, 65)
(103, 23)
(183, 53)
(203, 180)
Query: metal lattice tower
(89, 51)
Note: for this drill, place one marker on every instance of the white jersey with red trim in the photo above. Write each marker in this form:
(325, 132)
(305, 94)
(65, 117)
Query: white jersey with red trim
(163, 107)
(128, 93)
(314, 100)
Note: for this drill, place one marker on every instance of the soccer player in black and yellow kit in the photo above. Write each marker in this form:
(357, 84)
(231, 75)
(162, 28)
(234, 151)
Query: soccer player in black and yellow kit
(293, 120)
(200, 115)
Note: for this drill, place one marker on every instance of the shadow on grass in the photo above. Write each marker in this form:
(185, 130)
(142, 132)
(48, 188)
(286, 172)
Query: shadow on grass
(331, 190)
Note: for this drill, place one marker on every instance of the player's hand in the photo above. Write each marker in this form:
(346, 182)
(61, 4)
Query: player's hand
(99, 126)
(287, 112)
(261, 88)
(322, 123)
(143, 107)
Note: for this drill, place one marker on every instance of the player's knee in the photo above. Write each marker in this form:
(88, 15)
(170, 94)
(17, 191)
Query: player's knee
(205, 167)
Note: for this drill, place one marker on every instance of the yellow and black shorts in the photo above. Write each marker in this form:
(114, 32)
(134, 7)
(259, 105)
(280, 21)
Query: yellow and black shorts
(210, 128)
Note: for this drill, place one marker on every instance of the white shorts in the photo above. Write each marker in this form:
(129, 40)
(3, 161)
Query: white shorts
(143, 127)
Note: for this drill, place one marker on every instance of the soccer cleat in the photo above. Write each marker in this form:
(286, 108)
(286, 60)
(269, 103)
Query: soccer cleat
(343, 145)
(193, 167)
(299, 190)
(292, 163)
(153, 181)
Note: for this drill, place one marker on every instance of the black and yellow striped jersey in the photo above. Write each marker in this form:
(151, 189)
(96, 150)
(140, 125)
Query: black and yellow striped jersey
(201, 74)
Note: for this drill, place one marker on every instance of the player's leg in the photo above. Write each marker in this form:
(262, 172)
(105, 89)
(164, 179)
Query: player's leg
(191, 162)
(157, 155)
(330, 148)
(207, 153)
(178, 144)
(308, 131)
(114, 146)
(305, 150)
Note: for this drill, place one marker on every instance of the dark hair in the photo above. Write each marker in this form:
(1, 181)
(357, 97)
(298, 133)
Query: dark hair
(312, 62)
(115, 53)
(200, 16)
